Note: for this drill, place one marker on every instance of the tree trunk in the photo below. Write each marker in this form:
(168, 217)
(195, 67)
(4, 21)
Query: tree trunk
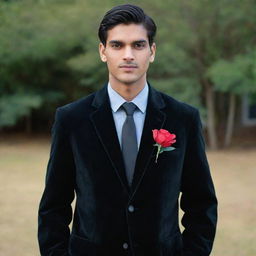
(28, 124)
(230, 120)
(211, 122)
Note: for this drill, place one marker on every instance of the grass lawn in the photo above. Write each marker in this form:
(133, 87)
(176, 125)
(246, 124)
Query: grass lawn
(22, 170)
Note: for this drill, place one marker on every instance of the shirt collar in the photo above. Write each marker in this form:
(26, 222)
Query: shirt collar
(116, 100)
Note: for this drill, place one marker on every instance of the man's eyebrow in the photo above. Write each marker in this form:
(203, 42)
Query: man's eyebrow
(134, 42)
(140, 41)
(115, 42)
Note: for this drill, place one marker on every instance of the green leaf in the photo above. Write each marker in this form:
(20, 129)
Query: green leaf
(167, 149)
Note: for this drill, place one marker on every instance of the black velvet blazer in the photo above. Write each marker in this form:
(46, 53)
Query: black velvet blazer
(110, 218)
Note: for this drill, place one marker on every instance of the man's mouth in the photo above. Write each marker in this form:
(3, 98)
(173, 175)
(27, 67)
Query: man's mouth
(128, 66)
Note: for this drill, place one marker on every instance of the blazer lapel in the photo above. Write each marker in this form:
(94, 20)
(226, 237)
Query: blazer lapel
(154, 119)
(102, 119)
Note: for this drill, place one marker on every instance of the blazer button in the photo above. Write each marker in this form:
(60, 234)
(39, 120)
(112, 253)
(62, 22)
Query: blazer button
(125, 246)
(131, 208)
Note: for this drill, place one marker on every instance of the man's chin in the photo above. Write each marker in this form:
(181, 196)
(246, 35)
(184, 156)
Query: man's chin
(129, 81)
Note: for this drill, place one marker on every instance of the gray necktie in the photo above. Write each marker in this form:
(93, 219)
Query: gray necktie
(129, 141)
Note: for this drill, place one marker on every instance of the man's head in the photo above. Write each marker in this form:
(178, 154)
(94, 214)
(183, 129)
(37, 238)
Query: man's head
(127, 45)
(126, 14)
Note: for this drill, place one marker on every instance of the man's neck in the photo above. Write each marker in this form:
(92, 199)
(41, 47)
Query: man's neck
(128, 91)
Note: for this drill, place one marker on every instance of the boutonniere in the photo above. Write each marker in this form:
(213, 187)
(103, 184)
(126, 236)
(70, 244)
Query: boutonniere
(163, 140)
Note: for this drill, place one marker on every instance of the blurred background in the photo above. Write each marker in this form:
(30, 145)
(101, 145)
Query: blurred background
(206, 57)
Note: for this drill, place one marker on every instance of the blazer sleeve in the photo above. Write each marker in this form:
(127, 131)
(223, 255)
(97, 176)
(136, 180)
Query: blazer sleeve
(55, 211)
(198, 199)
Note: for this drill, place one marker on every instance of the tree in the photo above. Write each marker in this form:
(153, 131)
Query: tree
(204, 32)
(48, 50)
(37, 40)
(236, 77)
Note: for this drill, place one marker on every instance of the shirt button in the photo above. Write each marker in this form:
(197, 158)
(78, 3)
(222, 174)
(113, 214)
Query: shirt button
(131, 208)
(125, 246)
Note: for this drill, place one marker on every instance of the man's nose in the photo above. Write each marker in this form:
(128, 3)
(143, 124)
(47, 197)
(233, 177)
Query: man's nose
(128, 54)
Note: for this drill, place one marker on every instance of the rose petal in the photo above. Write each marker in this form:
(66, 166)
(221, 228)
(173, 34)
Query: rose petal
(173, 136)
(163, 137)
(168, 143)
(163, 131)
(160, 138)
(155, 132)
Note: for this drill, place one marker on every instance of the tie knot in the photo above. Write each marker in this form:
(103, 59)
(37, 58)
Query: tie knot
(129, 108)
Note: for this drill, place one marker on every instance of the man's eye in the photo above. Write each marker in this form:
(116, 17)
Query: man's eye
(139, 45)
(116, 46)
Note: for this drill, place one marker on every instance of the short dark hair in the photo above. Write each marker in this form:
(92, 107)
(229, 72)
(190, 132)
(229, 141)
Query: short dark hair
(126, 14)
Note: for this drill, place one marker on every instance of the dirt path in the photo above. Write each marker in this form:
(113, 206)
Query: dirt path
(22, 170)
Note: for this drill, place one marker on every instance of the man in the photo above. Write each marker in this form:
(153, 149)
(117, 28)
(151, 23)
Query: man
(103, 151)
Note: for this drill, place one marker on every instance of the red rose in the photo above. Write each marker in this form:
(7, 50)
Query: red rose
(163, 140)
(163, 137)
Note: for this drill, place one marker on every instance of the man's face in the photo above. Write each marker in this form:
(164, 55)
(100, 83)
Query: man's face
(127, 53)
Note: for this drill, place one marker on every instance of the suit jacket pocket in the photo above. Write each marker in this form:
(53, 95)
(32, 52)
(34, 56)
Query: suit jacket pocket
(172, 246)
(79, 246)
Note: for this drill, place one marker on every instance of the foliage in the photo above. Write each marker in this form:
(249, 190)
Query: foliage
(237, 75)
(37, 40)
(49, 50)
(14, 106)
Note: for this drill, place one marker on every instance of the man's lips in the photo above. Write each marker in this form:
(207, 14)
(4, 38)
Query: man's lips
(128, 66)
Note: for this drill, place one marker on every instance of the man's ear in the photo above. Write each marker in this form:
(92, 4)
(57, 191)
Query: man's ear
(153, 52)
(102, 52)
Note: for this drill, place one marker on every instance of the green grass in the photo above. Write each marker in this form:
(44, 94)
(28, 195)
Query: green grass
(22, 170)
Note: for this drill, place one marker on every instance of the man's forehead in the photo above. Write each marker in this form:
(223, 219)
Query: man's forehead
(127, 33)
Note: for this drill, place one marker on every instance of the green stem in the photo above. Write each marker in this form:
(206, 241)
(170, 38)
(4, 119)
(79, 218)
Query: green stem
(158, 150)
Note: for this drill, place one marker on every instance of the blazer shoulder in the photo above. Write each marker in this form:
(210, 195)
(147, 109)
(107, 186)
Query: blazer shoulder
(178, 107)
(72, 112)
